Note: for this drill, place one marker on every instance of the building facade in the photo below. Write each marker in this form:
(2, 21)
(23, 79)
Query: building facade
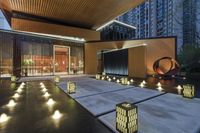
(159, 18)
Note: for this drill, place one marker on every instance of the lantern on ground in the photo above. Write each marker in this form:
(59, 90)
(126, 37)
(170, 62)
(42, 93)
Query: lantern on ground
(126, 118)
(71, 87)
(188, 91)
(98, 76)
(57, 79)
(124, 80)
(13, 78)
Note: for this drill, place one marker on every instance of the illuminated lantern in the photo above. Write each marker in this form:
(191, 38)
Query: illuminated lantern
(188, 91)
(124, 81)
(126, 118)
(98, 76)
(13, 78)
(71, 87)
(57, 79)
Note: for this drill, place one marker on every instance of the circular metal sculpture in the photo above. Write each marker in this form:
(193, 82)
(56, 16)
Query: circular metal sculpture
(166, 66)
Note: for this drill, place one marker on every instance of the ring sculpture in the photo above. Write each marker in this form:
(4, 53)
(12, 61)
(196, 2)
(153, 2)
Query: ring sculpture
(166, 66)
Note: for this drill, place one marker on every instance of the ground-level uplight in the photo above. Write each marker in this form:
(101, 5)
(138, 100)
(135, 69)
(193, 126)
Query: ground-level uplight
(57, 115)
(11, 103)
(109, 79)
(44, 90)
(118, 81)
(3, 118)
(179, 87)
(160, 88)
(144, 82)
(16, 95)
(46, 94)
(19, 90)
(131, 80)
(159, 84)
(50, 102)
(13, 78)
(126, 118)
(98, 76)
(114, 78)
(43, 86)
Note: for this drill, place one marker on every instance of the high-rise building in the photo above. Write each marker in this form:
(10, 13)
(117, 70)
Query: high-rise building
(190, 32)
(158, 18)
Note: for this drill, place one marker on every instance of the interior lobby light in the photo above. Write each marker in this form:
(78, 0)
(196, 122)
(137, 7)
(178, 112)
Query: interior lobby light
(57, 115)
(50, 102)
(11, 103)
(3, 118)
(16, 95)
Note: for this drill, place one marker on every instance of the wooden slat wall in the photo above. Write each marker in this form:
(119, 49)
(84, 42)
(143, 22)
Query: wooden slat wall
(86, 13)
(39, 27)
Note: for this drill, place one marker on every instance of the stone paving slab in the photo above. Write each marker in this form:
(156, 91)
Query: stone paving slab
(89, 86)
(168, 113)
(100, 104)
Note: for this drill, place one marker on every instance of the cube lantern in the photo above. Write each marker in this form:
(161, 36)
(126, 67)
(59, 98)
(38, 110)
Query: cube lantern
(124, 81)
(71, 87)
(13, 78)
(126, 118)
(98, 76)
(57, 79)
(188, 91)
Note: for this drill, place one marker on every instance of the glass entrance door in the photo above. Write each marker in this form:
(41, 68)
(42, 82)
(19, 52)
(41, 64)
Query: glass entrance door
(61, 60)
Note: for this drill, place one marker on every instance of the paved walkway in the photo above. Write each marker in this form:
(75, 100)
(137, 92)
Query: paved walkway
(159, 112)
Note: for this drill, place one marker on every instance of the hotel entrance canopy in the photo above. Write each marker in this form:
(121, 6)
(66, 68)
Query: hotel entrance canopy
(89, 14)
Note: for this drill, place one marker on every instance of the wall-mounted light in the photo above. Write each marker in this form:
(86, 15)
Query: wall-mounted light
(188, 91)
(126, 118)
(71, 87)
(57, 115)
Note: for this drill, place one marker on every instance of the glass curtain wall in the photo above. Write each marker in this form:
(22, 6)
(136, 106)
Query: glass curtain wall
(36, 59)
(6, 55)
